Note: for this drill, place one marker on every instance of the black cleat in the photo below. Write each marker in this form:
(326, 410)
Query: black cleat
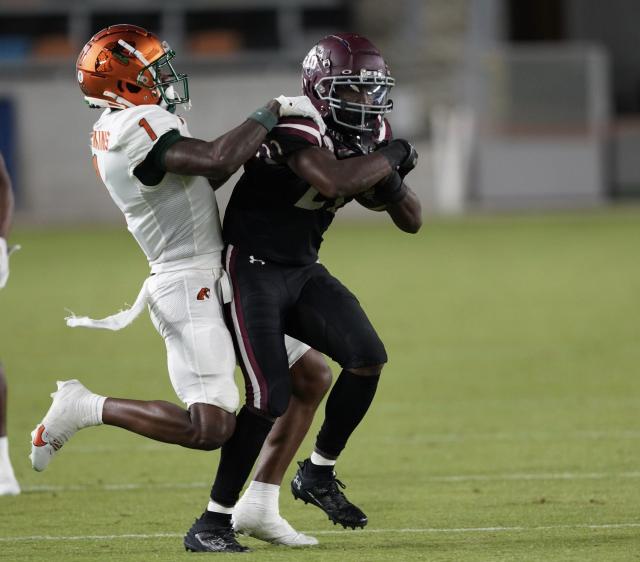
(205, 537)
(323, 491)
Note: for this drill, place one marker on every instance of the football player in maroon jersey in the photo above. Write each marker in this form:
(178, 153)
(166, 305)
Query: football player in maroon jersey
(280, 208)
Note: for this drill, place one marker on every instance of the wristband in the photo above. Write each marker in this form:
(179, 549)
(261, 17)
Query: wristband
(265, 117)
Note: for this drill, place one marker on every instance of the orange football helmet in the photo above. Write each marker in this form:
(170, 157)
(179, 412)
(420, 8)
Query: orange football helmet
(125, 65)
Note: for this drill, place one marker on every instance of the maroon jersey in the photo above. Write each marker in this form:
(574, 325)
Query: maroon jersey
(273, 213)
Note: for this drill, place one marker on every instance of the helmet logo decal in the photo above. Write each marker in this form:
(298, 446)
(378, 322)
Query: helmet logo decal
(310, 62)
(103, 61)
(111, 52)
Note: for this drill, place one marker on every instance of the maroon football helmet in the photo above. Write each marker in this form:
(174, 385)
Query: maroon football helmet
(348, 82)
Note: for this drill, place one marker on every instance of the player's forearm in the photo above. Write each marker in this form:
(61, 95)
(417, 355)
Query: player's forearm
(233, 149)
(220, 158)
(338, 178)
(355, 175)
(407, 213)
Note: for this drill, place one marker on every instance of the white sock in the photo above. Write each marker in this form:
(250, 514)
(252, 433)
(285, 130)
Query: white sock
(214, 506)
(87, 405)
(97, 405)
(6, 470)
(263, 495)
(319, 460)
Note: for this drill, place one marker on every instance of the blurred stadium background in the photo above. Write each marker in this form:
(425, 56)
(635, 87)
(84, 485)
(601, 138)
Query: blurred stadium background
(512, 103)
(507, 423)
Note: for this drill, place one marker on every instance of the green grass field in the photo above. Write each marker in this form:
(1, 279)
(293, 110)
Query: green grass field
(506, 426)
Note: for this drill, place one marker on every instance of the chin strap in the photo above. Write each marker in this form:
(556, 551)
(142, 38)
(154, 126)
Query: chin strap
(117, 103)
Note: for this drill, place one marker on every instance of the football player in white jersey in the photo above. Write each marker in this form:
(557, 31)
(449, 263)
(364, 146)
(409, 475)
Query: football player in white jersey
(161, 179)
(8, 484)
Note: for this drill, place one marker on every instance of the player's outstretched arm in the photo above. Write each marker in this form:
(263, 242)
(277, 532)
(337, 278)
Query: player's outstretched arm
(335, 178)
(220, 158)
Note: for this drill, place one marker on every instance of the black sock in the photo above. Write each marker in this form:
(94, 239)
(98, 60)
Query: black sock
(239, 455)
(217, 519)
(347, 404)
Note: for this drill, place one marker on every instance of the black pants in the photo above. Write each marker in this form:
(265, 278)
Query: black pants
(305, 302)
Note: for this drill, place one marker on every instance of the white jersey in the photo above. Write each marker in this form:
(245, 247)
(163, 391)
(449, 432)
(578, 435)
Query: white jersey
(177, 226)
(177, 218)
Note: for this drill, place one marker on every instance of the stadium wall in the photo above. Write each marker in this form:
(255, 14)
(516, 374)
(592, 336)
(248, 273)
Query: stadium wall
(57, 180)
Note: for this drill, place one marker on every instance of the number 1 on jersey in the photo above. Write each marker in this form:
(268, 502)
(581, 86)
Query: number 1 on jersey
(145, 125)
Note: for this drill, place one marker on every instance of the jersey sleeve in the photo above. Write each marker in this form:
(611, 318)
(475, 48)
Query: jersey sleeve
(290, 135)
(145, 126)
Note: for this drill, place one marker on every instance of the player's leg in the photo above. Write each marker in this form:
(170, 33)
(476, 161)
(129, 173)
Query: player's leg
(8, 484)
(200, 361)
(329, 317)
(202, 426)
(258, 297)
(311, 379)
(257, 513)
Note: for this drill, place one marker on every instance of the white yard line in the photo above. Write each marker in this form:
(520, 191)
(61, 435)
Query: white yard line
(517, 476)
(533, 476)
(425, 530)
(425, 438)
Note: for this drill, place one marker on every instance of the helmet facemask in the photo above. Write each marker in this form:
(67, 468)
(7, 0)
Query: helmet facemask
(357, 102)
(172, 87)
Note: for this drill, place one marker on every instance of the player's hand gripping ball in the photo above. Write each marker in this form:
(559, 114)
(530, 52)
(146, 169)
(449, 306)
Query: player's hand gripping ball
(387, 191)
(405, 153)
(410, 162)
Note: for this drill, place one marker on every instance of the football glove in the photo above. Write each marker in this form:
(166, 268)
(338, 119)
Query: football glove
(401, 154)
(300, 106)
(410, 162)
(387, 191)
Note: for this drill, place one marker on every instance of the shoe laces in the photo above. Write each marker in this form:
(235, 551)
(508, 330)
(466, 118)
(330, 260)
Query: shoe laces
(229, 534)
(332, 487)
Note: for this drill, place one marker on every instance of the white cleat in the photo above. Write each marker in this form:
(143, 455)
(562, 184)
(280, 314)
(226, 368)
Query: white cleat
(69, 412)
(260, 523)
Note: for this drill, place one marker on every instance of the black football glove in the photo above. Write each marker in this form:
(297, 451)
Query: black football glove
(410, 161)
(401, 154)
(387, 191)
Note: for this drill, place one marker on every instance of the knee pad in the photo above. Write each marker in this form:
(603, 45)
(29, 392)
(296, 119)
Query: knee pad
(369, 355)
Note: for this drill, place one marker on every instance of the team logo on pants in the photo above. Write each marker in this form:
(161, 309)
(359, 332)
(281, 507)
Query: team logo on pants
(203, 293)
